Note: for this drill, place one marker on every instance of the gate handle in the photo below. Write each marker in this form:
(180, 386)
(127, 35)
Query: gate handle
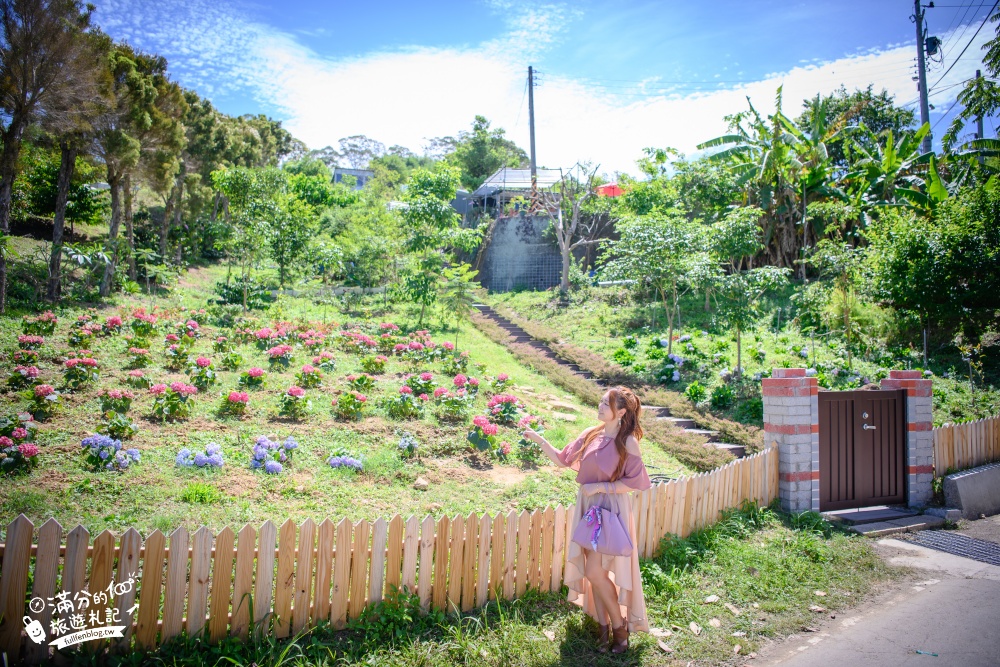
(868, 427)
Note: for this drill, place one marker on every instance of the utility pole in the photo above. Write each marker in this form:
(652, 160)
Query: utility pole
(925, 114)
(531, 131)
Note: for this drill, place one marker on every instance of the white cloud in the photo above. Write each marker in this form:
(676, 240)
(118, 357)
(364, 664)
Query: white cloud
(407, 95)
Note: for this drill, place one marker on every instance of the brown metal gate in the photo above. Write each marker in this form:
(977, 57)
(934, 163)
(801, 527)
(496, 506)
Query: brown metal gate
(862, 449)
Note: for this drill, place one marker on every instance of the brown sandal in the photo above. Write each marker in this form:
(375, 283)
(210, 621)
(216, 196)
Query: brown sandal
(619, 643)
(603, 638)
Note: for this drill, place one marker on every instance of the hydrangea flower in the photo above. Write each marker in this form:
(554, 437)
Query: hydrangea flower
(345, 462)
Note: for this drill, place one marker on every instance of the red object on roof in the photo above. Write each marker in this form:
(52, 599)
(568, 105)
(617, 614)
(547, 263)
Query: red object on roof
(609, 190)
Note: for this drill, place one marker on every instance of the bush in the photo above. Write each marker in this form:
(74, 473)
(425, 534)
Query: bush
(117, 425)
(750, 411)
(623, 357)
(294, 404)
(349, 406)
(258, 296)
(695, 392)
(722, 397)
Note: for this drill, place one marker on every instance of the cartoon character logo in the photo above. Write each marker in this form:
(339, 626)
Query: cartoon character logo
(34, 629)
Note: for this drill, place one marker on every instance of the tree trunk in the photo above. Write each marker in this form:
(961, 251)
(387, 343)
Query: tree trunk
(739, 354)
(564, 281)
(8, 168)
(129, 228)
(172, 209)
(112, 246)
(67, 164)
(670, 322)
(178, 210)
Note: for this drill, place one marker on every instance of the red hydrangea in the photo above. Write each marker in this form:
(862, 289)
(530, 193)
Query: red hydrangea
(157, 389)
(203, 362)
(255, 372)
(238, 397)
(297, 392)
(460, 380)
(405, 389)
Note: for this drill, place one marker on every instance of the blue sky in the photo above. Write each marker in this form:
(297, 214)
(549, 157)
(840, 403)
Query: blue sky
(614, 76)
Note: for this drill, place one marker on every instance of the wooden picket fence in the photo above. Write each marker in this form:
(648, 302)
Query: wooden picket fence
(285, 579)
(961, 446)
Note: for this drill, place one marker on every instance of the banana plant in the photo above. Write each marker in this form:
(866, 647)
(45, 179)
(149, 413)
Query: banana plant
(885, 172)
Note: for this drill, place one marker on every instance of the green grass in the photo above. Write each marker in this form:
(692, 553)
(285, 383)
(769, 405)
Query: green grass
(158, 494)
(766, 565)
(599, 319)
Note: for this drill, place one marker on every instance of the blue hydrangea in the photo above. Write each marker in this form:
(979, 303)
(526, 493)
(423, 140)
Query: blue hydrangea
(200, 460)
(184, 457)
(290, 443)
(212, 456)
(345, 462)
(272, 467)
(267, 451)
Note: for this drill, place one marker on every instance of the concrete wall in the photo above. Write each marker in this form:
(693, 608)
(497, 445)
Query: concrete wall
(919, 434)
(517, 257)
(975, 492)
(791, 419)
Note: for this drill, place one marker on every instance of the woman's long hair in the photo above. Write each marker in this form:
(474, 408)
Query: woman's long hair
(622, 399)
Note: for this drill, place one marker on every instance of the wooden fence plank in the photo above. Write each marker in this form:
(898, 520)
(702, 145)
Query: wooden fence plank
(153, 560)
(303, 576)
(246, 545)
(201, 562)
(128, 569)
(176, 585)
(325, 544)
(102, 572)
(222, 585)
(642, 523)
(509, 554)
(455, 553)
(267, 540)
(499, 533)
(469, 555)
(483, 564)
(558, 547)
(535, 549)
(380, 532)
(14, 584)
(44, 585)
(341, 574)
(439, 593)
(394, 557)
(411, 547)
(548, 539)
(284, 585)
(426, 573)
(359, 569)
(523, 552)
(571, 512)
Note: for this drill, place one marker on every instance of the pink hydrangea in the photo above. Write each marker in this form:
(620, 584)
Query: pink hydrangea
(297, 392)
(501, 398)
(415, 345)
(405, 389)
(43, 390)
(381, 359)
(474, 382)
(465, 354)
(27, 371)
(426, 377)
(504, 448)
(191, 324)
(203, 362)
(439, 392)
(503, 377)
(113, 322)
(490, 429)
(399, 347)
(136, 374)
(480, 421)
(255, 372)
(26, 339)
(264, 334)
(389, 326)
(5, 441)
(279, 351)
(424, 397)
(448, 345)
(158, 389)
(460, 380)
(28, 450)
(184, 389)
(238, 397)
(19, 433)
(307, 369)
(361, 397)
(172, 338)
(138, 351)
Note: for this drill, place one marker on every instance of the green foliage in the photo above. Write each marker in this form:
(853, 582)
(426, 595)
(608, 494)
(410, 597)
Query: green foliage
(256, 293)
(200, 493)
(479, 153)
(397, 617)
(457, 294)
(695, 392)
(722, 397)
(623, 357)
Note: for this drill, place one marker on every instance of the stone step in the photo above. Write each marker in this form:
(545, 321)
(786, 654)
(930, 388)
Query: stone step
(679, 422)
(910, 524)
(738, 451)
(712, 436)
(863, 515)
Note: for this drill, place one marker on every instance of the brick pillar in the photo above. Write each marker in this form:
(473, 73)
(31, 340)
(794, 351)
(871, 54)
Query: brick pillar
(919, 438)
(791, 418)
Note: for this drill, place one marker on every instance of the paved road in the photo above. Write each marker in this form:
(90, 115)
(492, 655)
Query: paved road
(951, 609)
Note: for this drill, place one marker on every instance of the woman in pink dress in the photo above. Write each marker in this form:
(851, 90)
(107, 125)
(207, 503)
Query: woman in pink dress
(609, 467)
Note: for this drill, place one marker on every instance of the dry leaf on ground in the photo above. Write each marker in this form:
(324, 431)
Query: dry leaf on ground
(816, 608)
(695, 628)
(732, 609)
(736, 649)
(821, 594)
(715, 623)
(664, 647)
(660, 632)
(711, 598)
(551, 635)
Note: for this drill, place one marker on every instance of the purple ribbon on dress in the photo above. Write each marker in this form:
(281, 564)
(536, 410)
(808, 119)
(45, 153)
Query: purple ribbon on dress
(593, 517)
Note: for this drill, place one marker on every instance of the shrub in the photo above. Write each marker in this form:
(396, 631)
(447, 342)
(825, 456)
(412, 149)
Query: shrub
(201, 493)
(231, 360)
(137, 379)
(345, 462)
(309, 377)
(269, 455)
(280, 356)
(45, 400)
(483, 433)
(26, 356)
(116, 400)
(103, 452)
(374, 364)
(695, 392)
(82, 337)
(363, 382)
(294, 404)
(201, 371)
(138, 357)
(235, 403)
(30, 342)
(112, 325)
(750, 411)
(422, 383)
(452, 364)
(23, 377)
(252, 378)
(630, 342)
(41, 325)
(258, 297)
(174, 402)
(20, 427)
(623, 357)
(529, 451)
(210, 458)
(79, 372)
(502, 451)
(405, 405)
(722, 397)
(17, 458)
(500, 383)
(117, 425)
(143, 325)
(325, 361)
(504, 408)
(408, 445)
(349, 406)
(453, 406)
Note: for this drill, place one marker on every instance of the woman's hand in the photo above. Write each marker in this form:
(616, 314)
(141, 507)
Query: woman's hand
(593, 488)
(529, 434)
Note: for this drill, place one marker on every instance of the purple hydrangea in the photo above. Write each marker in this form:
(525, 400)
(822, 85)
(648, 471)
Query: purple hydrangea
(345, 462)
(211, 457)
(272, 467)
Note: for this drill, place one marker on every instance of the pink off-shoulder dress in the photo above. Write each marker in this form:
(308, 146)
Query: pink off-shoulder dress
(598, 464)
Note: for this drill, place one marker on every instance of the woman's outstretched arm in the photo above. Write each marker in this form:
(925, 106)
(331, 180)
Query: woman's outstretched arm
(546, 446)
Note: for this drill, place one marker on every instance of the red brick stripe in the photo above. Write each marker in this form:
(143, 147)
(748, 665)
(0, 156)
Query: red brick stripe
(803, 476)
(789, 372)
(919, 470)
(920, 426)
(800, 391)
(905, 375)
(791, 429)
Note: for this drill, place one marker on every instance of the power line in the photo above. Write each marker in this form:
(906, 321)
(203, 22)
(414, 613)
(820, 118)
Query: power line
(957, 37)
(945, 114)
(953, 62)
(521, 105)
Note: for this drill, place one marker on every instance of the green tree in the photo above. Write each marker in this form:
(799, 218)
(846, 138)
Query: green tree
(481, 152)
(457, 294)
(658, 252)
(290, 232)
